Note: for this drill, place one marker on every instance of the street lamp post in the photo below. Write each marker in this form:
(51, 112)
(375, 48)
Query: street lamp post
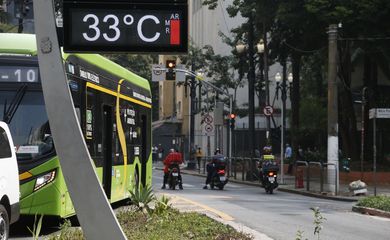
(281, 85)
(251, 85)
(260, 51)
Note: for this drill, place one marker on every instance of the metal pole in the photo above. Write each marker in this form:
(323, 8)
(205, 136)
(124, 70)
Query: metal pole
(333, 139)
(92, 207)
(374, 153)
(363, 133)
(230, 133)
(191, 164)
(284, 97)
(251, 90)
(265, 56)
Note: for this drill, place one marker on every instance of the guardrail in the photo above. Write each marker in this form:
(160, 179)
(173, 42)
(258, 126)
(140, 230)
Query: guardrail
(246, 169)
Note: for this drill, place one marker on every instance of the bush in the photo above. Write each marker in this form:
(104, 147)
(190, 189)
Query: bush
(162, 222)
(378, 202)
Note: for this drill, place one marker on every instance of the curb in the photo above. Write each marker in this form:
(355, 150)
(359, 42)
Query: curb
(371, 211)
(308, 194)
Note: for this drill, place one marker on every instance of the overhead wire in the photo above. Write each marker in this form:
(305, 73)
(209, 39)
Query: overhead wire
(301, 50)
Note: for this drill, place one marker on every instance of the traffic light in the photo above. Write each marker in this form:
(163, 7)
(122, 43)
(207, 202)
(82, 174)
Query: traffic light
(232, 121)
(170, 74)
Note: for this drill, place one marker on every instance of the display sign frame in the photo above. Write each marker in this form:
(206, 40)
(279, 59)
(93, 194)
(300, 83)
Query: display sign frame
(173, 41)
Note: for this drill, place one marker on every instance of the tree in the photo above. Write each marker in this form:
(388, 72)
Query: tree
(361, 42)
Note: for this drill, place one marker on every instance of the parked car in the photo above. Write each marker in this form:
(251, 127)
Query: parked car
(9, 182)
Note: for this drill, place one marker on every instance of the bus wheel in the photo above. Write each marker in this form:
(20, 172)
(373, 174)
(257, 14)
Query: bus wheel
(4, 223)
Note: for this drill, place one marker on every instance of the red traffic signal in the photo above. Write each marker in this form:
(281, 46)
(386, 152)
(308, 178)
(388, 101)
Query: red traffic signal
(232, 121)
(170, 74)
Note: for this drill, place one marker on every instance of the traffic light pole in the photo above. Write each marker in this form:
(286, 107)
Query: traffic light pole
(230, 135)
(221, 91)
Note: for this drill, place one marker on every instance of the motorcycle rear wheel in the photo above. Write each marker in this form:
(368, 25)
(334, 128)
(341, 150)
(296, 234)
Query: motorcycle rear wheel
(172, 183)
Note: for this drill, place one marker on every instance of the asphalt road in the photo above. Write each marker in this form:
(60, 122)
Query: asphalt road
(280, 215)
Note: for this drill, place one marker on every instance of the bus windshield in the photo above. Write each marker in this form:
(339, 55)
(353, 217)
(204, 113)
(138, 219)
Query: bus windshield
(29, 125)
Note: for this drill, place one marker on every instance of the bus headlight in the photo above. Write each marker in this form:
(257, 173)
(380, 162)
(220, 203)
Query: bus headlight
(44, 180)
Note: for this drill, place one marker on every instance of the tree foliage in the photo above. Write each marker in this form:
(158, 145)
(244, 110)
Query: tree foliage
(297, 31)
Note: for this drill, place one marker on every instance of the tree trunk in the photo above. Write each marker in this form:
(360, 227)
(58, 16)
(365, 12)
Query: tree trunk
(295, 100)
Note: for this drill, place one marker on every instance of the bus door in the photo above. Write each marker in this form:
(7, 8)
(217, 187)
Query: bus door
(107, 149)
(144, 157)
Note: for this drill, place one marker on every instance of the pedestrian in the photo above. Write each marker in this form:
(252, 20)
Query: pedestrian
(288, 158)
(154, 153)
(160, 152)
(199, 155)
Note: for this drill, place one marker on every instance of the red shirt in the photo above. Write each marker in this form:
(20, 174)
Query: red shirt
(173, 157)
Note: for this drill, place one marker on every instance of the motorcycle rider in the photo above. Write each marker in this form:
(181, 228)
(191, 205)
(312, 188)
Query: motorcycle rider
(171, 158)
(267, 158)
(213, 166)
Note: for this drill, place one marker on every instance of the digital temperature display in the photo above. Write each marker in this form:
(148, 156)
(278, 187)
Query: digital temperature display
(19, 74)
(125, 27)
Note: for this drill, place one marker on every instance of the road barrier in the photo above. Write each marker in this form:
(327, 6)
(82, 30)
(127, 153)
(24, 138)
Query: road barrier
(246, 169)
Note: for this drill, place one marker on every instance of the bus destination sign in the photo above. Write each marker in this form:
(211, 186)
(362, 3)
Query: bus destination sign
(125, 27)
(22, 74)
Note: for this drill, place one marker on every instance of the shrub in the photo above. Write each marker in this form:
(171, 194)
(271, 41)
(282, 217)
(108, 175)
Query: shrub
(142, 197)
(378, 202)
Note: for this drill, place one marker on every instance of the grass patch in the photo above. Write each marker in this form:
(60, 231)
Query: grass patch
(141, 221)
(378, 202)
(175, 225)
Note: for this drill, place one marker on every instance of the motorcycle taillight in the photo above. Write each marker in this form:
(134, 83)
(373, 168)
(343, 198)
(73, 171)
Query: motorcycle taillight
(174, 170)
(221, 172)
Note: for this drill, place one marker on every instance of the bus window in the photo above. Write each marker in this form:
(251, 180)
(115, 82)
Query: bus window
(5, 149)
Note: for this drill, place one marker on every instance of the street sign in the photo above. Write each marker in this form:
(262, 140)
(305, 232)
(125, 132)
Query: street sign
(160, 27)
(208, 119)
(268, 110)
(209, 128)
(379, 113)
(158, 73)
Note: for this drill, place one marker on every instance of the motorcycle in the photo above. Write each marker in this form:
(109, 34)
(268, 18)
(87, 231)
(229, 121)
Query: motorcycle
(173, 176)
(269, 176)
(219, 178)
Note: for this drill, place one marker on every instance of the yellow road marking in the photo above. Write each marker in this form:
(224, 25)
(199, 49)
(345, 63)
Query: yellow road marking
(222, 215)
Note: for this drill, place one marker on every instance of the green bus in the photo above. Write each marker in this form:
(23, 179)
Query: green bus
(113, 106)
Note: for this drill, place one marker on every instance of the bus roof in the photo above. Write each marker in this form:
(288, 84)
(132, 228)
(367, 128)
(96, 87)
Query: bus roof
(16, 43)
(111, 67)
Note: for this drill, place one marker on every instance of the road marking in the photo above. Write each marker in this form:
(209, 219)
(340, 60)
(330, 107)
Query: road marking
(222, 215)
(219, 197)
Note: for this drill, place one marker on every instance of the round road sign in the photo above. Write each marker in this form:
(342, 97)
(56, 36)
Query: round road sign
(209, 128)
(157, 70)
(208, 119)
(268, 110)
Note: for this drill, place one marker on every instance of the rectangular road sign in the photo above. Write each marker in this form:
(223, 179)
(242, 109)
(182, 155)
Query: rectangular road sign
(379, 113)
(159, 27)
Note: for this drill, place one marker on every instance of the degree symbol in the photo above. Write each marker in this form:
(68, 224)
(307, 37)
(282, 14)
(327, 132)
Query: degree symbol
(126, 19)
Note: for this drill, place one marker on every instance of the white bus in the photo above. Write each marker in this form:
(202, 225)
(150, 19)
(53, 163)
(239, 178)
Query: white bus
(9, 182)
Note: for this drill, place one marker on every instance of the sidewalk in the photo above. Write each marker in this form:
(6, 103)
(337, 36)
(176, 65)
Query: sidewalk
(344, 194)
